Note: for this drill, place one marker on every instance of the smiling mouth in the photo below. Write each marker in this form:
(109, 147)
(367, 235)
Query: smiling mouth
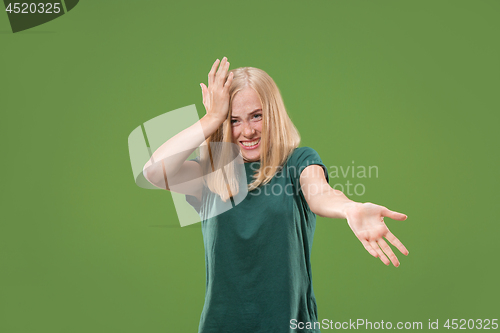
(250, 143)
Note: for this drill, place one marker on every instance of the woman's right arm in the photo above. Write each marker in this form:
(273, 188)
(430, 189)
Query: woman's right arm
(170, 159)
(168, 163)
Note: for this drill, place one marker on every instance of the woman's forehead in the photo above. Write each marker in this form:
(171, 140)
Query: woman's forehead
(245, 101)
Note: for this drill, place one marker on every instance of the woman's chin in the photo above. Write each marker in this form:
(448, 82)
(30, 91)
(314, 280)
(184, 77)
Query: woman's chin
(251, 157)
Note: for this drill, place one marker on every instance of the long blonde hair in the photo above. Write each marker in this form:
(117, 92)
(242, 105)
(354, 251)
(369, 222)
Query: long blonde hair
(279, 136)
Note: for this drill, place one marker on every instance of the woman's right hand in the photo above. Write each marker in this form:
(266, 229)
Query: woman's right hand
(216, 95)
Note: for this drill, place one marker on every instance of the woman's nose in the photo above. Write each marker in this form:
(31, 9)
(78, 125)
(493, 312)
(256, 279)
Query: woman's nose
(248, 131)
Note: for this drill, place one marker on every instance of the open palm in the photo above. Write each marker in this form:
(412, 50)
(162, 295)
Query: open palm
(367, 222)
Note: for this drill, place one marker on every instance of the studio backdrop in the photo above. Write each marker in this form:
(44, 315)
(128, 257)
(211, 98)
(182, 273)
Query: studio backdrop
(399, 99)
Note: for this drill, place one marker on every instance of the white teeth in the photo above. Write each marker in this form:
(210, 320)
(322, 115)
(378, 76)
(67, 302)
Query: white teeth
(250, 144)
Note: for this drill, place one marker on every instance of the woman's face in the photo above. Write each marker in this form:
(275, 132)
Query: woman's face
(246, 122)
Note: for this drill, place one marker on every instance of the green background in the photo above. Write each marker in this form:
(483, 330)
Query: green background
(408, 86)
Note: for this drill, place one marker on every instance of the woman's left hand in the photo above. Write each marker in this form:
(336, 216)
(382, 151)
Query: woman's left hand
(367, 222)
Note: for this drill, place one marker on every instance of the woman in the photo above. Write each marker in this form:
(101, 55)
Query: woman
(258, 252)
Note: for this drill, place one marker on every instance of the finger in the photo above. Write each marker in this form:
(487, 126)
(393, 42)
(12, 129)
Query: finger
(204, 93)
(221, 71)
(224, 73)
(369, 248)
(388, 251)
(229, 80)
(211, 74)
(380, 253)
(394, 241)
(225, 69)
(394, 215)
(206, 98)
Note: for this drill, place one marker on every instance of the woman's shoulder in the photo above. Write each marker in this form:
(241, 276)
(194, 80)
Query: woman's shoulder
(302, 150)
(301, 154)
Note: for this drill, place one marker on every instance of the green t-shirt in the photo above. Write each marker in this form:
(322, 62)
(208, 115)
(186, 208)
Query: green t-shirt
(257, 255)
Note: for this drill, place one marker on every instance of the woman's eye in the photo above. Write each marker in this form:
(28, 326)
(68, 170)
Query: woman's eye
(234, 121)
(257, 116)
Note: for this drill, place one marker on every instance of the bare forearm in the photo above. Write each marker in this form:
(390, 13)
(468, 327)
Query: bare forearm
(177, 149)
(331, 203)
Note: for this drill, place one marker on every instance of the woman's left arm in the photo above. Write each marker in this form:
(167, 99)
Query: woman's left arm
(365, 219)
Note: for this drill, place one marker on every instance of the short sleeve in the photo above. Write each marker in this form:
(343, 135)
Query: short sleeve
(191, 199)
(300, 159)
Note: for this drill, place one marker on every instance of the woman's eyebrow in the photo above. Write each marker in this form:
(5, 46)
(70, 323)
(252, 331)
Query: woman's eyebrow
(256, 110)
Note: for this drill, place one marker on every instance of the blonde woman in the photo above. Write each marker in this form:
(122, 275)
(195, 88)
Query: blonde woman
(258, 267)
